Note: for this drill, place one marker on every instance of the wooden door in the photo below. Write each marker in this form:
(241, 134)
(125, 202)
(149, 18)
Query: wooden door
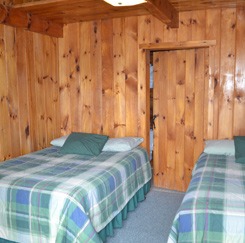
(178, 103)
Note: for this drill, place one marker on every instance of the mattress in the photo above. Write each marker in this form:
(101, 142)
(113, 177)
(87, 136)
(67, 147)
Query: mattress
(213, 209)
(46, 196)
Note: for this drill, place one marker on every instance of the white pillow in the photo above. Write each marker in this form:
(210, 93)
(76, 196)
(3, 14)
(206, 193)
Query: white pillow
(122, 144)
(225, 147)
(59, 141)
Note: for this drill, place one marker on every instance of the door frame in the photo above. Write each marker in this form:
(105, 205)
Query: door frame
(166, 46)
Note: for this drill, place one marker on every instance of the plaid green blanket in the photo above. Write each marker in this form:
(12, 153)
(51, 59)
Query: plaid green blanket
(49, 197)
(213, 209)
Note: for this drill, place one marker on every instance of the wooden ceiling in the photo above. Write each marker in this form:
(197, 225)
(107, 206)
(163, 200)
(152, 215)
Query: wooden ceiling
(49, 16)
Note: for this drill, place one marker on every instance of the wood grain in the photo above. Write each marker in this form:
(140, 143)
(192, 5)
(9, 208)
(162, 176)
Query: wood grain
(97, 79)
(119, 62)
(18, 18)
(227, 75)
(239, 91)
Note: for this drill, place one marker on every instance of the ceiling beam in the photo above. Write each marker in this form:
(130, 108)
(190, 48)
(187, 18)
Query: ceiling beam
(17, 18)
(163, 10)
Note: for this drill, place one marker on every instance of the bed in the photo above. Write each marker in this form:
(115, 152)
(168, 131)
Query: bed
(47, 196)
(213, 208)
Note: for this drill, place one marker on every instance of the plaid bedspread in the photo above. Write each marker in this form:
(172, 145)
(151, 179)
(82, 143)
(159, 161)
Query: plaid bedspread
(49, 197)
(213, 209)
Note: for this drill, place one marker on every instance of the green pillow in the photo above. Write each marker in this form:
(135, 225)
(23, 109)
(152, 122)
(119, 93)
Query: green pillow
(84, 144)
(239, 142)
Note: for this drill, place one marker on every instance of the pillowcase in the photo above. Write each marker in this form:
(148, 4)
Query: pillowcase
(84, 144)
(122, 144)
(59, 141)
(239, 149)
(224, 147)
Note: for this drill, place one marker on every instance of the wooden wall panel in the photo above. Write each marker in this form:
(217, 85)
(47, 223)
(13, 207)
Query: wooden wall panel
(86, 82)
(23, 90)
(107, 62)
(119, 87)
(5, 137)
(13, 94)
(118, 49)
(96, 75)
(180, 120)
(100, 82)
(131, 76)
(31, 91)
(144, 35)
(227, 73)
(29, 107)
(70, 91)
(213, 23)
(39, 91)
(239, 94)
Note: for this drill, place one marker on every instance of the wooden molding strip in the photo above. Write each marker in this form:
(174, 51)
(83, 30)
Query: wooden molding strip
(17, 18)
(164, 11)
(177, 45)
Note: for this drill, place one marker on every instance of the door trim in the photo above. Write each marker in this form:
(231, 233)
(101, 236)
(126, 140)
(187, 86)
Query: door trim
(166, 46)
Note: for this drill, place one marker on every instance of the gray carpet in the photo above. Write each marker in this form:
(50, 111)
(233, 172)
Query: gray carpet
(152, 219)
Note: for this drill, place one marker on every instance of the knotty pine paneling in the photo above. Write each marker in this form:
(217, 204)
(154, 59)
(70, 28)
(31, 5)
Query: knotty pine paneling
(96, 80)
(123, 89)
(29, 102)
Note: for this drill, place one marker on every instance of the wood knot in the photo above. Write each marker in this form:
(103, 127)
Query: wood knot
(158, 40)
(13, 116)
(157, 60)
(148, 21)
(119, 125)
(182, 121)
(239, 98)
(181, 82)
(193, 21)
(95, 29)
(78, 90)
(192, 136)
(215, 82)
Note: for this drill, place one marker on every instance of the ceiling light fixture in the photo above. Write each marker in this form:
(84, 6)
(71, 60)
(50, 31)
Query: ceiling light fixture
(121, 3)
